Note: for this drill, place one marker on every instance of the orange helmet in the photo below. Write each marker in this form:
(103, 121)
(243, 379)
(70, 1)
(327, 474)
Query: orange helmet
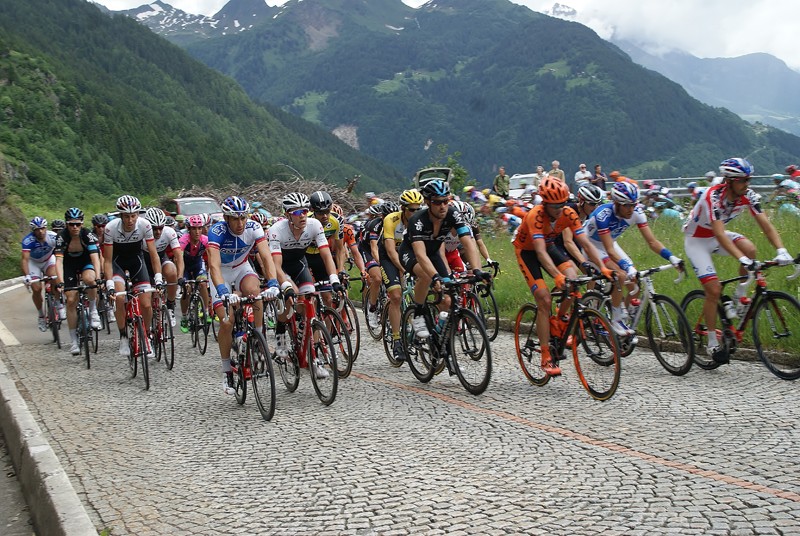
(552, 190)
(337, 209)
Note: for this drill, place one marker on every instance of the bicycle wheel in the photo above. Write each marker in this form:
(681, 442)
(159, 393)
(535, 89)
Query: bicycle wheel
(491, 314)
(374, 331)
(417, 351)
(692, 305)
(261, 374)
(55, 322)
(166, 339)
(289, 367)
(133, 347)
(239, 380)
(350, 318)
(340, 339)
(669, 335)
(84, 333)
(526, 342)
(142, 347)
(322, 363)
(596, 354)
(598, 300)
(470, 351)
(776, 334)
(388, 339)
(193, 319)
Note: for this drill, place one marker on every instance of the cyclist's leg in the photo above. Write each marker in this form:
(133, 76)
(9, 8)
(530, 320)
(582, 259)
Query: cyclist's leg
(249, 284)
(565, 267)
(71, 280)
(529, 265)
(443, 269)
(698, 251)
(170, 274)
(225, 331)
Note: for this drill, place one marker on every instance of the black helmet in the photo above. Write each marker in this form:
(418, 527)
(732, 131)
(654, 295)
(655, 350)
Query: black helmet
(73, 214)
(321, 201)
(99, 219)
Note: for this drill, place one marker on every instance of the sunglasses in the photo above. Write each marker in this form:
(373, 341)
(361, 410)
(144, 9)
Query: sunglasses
(158, 228)
(627, 204)
(439, 202)
(299, 212)
(411, 209)
(592, 203)
(99, 226)
(322, 212)
(556, 206)
(75, 223)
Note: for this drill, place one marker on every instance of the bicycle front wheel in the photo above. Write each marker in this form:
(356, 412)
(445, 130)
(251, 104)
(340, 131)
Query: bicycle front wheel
(596, 354)
(351, 321)
(470, 352)
(55, 321)
(526, 342)
(84, 332)
(491, 314)
(776, 334)
(417, 350)
(193, 319)
(692, 305)
(261, 374)
(341, 340)
(669, 335)
(322, 363)
(388, 338)
(166, 339)
(134, 343)
(142, 350)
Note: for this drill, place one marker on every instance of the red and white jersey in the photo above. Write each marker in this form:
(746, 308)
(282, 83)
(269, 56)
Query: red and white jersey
(714, 205)
(166, 243)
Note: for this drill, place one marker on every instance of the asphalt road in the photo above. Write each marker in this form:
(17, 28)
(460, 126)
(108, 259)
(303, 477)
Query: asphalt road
(713, 452)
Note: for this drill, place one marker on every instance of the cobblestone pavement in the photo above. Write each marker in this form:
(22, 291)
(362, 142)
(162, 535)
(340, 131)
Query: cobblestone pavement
(713, 452)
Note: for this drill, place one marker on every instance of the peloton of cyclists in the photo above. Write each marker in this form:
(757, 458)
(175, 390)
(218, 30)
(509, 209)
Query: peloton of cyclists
(38, 261)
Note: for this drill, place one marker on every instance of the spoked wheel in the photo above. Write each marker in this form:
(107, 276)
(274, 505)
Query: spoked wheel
(375, 331)
(348, 314)
(470, 352)
(776, 334)
(340, 337)
(669, 335)
(55, 323)
(417, 351)
(105, 310)
(692, 305)
(166, 339)
(134, 343)
(193, 319)
(596, 354)
(388, 340)
(322, 363)
(85, 332)
(491, 314)
(239, 381)
(261, 374)
(289, 368)
(526, 342)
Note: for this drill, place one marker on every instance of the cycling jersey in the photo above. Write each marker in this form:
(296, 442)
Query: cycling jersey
(420, 229)
(537, 225)
(193, 254)
(604, 220)
(282, 240)
(372, 231)
(127, 245)
(393, 227)
(166, 244)
(332, 231)
(39, 251)
(714, 205)
(76, 258)
(233, 249)
(790, 185)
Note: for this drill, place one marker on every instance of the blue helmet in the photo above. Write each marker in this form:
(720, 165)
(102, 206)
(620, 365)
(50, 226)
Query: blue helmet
(38, 223)
(73, 214)
(235, 206)
(736, 168)
(691, 185)
(436, 188)
(625, 192)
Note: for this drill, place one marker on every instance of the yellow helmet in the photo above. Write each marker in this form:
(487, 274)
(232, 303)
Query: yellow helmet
(485, 191)
(411, 197)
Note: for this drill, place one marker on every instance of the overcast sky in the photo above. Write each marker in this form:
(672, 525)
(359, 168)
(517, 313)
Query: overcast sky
(707, 28)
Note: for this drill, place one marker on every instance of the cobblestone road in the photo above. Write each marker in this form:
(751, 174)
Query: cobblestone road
(713, 452)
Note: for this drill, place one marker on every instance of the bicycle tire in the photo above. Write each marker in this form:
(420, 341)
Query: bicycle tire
(340, 337)
(193, 319)
(143, 352)
(55, 323)
(167, 339)
(526, 342)
(592, 336)
(289, 368)
(417, 351)
(782, 314)
(133, 349)
(239, 380)
(468, 334)
(261, 375)
(351, 320)
(388, 340)
(692, 305)
(376, 332)
(84, 332)
(491, 313)
(323, 353)
(669, 335)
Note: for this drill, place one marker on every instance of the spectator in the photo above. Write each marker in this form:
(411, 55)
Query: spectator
(540, 175)
(582, 176)
(599, 178)
(556, 172)
(501, 183)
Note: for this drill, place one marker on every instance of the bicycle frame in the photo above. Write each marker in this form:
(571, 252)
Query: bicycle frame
(648, 290)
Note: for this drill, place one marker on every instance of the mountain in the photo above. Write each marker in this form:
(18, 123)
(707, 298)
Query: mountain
(102, 102)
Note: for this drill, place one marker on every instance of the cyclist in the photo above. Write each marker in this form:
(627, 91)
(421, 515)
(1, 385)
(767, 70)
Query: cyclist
(76, 253)
(349, 241)
(122, 251)
(589, 198)
(170, 256)
(261, 219)
(229, 243)
(368, 246)
(321, 204)
(452, 246)
(194, 244)
(421, 249)
(534, 244)
(605, 225)
(394, 226)
(288, 241)
(38, 261)
(99, 222)
(58, 225)
(785, 186)
(705, 234)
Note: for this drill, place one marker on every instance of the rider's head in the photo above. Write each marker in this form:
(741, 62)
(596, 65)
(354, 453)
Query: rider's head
(74, 218)
(437, 197)
(625, 196)
(589, 196)
(554, 194)
(157, 220)
(410, 200)
(128, 208)
(39, 226)
(321, 204)
(235, 210)
(737, 172)
(296, 206)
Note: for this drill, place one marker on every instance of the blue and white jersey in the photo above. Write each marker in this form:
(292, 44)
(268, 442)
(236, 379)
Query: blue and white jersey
(603, 220)
(233, 249)
(789, 184)
(39, 251)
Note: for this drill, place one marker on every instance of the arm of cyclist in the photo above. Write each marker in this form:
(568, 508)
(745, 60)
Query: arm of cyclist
(657, 247)
(108, 265)
(471, 253)
(177, 258)
(268, 266)
(627, 268)
(391, 252)
(155, 261)
(330, 267)
(569, 244)
(26, 255)
(774, 238)
(540, 247)
(594, 255)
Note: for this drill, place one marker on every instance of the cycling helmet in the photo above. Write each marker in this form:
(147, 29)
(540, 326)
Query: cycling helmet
(466, 210)
(207, 220)
(320, 201)
(777, 177)
(735, 168)
(260, 218)
(375, 210)
(389, 207)
(99, 219)
(647, 184)
(128, 204)
(691, 185)
(195, 220)
(625, 193)
(58, 225)
(337, 210)
(552, 190)
(171, 222)
(235, 206)
(156, 217)
(180, 218)
(295, 201)
(436, 188)
(711, 175)
(73, 214)
(411, 197)
(790, 169)
(591, 194)
(38, 223)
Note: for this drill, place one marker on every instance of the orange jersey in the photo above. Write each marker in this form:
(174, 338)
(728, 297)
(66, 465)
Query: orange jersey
(537, 225)
(349, 235)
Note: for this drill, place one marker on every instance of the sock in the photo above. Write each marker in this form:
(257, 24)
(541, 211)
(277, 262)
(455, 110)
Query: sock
(226, 366)
(712, 339)
(73, 335)
(616, 313)
(93, 305)
(122, 334)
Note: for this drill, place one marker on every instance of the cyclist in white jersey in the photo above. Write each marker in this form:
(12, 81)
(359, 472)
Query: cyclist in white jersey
(606, 223)
(122, 251)
(171, 255)
(288, 241)
(229, 244)
(37, 261)
(704, 234)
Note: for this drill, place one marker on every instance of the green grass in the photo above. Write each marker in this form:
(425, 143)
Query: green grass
(311, 102)
(559, 69)
(400, 80)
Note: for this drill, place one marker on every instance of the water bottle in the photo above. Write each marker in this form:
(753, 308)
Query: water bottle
(442, 321)
(743, 305)
(633, 307)
(239, 343)
(730, 308)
